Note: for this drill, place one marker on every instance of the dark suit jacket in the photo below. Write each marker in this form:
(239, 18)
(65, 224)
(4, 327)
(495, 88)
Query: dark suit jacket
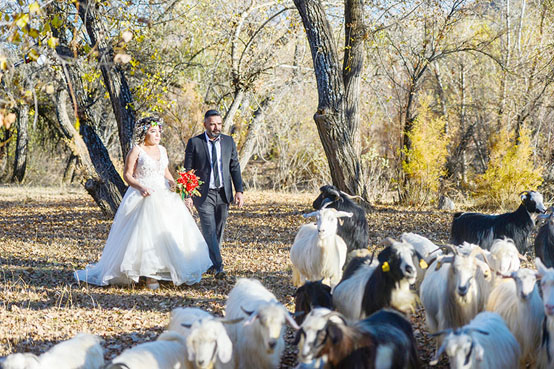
(197, 157)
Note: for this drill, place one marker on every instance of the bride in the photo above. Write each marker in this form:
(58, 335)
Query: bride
(153, 233)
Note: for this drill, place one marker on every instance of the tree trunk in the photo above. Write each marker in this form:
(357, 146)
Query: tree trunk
(253, 129)
(230, 115)
(4, 149)
(354, 35)
(114, 79)
(70, 167)
(331, 118)
(104, 183)
(20, 163)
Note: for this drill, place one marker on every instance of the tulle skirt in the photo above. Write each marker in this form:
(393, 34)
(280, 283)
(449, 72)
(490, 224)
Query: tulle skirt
(153, 236)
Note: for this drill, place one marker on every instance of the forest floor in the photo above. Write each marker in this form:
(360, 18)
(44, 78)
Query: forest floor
(48, 233)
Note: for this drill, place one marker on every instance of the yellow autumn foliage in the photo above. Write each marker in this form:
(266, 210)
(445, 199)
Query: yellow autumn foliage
(424, 163)
(510, 170)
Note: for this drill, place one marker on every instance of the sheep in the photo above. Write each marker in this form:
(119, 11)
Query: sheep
(309, 296)
(258, 341)
(485, 343)
(82, 351)
(384, 340)
(373, 287)
(318, 252)
(451, 291)
(168, 351)
(516, 298)
(546, 350)
(544, 242)
(354, 231)
(483, 229)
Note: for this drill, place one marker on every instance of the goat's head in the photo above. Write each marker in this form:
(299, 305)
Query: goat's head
(462, 349)
(270, 318)
(526, 280)
(398, 259)
(311, 336)
(546, 276)
(505, 258)
(464, 271)
(309, 296)
(533, 202)
(207, 339)
(329, 194)
(327, 220)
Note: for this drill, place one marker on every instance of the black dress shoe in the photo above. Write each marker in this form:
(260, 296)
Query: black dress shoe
(220, 275)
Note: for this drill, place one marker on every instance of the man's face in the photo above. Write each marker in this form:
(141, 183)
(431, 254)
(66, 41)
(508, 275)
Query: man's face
(213, 125)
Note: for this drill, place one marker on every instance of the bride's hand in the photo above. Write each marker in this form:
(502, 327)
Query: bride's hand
(188, 203)
(171, 185)
(144, 191)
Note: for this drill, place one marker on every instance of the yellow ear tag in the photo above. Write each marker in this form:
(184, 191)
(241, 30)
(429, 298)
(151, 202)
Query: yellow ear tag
(423, 264)
(385, 266)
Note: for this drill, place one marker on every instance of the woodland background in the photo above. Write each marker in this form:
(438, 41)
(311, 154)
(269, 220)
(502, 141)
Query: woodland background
(411, 99)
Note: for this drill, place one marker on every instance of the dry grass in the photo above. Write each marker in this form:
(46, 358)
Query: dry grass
(47, 233)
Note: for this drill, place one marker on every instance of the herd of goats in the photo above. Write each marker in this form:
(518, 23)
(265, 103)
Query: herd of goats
(352, 309)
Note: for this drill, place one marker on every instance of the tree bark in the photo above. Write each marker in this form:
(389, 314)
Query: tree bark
(20, 163)
(104, 183)
(114, 78)
(253, 129)
(70, 168)
(331, 117)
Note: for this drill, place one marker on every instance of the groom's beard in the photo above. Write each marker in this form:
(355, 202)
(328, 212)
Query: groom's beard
(213, 135)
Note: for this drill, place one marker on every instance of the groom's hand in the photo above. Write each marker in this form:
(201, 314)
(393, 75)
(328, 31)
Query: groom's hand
(188, 203)
(239, 200)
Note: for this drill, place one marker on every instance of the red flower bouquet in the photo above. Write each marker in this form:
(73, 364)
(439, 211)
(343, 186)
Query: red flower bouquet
(187, 183)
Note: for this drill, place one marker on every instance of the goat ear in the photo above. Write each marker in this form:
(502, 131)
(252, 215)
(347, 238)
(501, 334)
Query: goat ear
(541, 268)
(224, 347)
(523, 195)
(479, 352)
(312, 214)
(334, 332)
(342, 214)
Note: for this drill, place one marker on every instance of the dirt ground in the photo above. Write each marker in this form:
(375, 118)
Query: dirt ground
(47, 233)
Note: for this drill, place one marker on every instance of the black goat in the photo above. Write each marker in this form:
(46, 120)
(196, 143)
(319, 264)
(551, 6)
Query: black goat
(309, 296)
(357, 346)
(395, 273)
(354, 231)
(544, 242)
(483, 229)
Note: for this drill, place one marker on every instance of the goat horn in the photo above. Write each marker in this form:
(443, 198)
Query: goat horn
(449, 247)
(246, 311)
(231, 321)
(291, 321)
(435, 360)
(389, 241)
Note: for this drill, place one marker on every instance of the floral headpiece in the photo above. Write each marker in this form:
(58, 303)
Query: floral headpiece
(154, 123)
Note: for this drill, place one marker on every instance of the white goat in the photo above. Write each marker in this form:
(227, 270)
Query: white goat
(451, 290)
(80, 352)
(517, 300)
(208, 345)
(485, 343)
(168, 351)
(258, 342)
(545, 358)
(428, 251)
(182, 318)
(504, 259)
(318, 252)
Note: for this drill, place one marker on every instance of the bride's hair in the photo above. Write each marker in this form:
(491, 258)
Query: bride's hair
(142, 126)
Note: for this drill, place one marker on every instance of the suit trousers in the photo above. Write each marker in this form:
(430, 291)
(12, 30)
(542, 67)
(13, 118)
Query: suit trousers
(213, 215)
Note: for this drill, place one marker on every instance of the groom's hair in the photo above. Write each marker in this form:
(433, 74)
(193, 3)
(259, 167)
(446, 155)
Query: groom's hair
(211, 113)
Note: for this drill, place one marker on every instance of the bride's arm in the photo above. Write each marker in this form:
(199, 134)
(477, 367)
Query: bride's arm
(130, 163)
(169, 178)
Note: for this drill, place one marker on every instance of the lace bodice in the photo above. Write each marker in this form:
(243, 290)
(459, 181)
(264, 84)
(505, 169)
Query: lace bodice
(149, 171)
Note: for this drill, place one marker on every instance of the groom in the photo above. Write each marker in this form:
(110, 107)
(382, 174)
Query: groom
(214, 157)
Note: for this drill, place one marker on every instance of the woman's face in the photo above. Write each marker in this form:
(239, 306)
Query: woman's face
(153, 136)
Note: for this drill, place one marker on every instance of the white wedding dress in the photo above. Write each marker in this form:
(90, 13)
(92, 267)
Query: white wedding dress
(153, 236)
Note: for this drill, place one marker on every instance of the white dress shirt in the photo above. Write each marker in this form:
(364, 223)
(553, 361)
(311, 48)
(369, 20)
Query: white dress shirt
(218, 150)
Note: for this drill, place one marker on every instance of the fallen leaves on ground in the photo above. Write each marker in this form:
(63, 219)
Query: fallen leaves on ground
(46, 234)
